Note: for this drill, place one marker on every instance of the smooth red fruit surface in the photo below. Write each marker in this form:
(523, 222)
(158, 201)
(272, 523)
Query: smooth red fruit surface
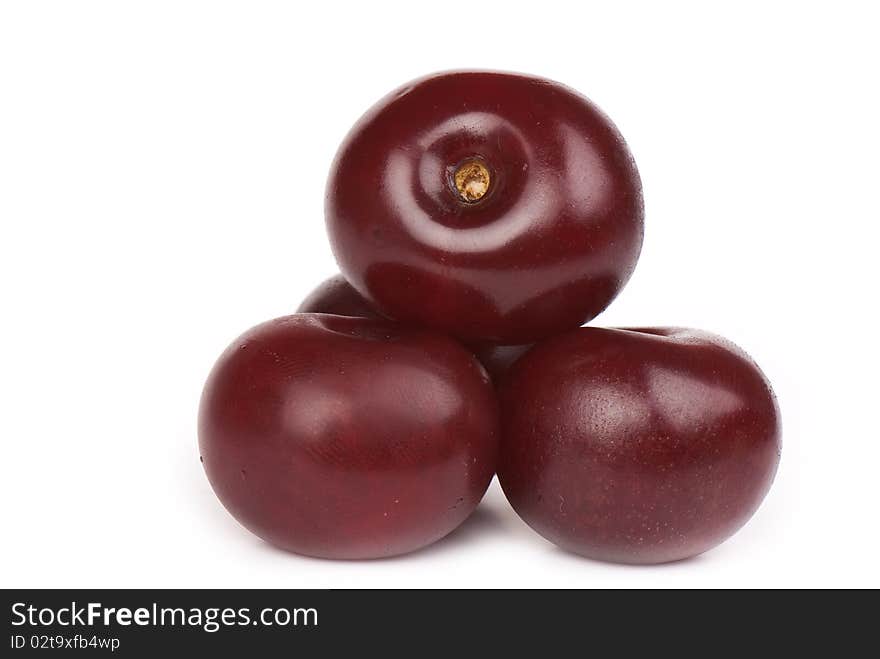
(337, 296)
(344, 437)
(491, 206)
(498, 359)
(637, 446)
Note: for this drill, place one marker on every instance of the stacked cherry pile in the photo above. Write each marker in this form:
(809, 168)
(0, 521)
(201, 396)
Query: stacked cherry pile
(479, 220)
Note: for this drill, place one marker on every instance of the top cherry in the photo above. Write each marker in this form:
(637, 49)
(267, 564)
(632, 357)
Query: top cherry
(492, 206)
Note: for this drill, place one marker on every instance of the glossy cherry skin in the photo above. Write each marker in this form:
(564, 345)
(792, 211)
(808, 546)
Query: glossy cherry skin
(337, 296)
(497, 359)
(342, 437)
(547, 246)
(637, 446)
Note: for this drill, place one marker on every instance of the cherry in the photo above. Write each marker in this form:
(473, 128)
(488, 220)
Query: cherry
(498, 359)
(337, 296)
(637, 446)
(495, 207)
(343, 437)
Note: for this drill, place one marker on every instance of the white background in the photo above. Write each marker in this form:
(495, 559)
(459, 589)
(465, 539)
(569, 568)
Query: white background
(162, 167)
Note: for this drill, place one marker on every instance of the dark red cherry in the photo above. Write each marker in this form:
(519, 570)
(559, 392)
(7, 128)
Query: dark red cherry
(337, 296)
(498, 359)
(495, 207)
(637, 446)
(344, 437)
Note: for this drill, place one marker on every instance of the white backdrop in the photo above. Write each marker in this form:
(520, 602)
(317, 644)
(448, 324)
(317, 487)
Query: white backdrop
(162, 167)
